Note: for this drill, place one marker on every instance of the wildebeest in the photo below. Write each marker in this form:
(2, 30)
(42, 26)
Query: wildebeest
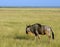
(40, 29)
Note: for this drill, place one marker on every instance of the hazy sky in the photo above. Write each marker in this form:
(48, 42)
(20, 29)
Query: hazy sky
(29, 2)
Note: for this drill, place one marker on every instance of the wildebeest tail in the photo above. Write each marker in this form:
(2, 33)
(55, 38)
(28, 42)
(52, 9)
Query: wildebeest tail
(52, 34)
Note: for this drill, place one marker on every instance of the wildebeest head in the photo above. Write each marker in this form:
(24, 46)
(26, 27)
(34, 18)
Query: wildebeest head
(28, 29)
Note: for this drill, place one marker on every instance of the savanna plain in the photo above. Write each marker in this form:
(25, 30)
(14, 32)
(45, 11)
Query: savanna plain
(13, 22)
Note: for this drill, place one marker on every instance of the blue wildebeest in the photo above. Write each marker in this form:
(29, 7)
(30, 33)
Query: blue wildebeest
(37, 29)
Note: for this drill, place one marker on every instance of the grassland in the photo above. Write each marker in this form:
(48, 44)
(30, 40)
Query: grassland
(13, 22)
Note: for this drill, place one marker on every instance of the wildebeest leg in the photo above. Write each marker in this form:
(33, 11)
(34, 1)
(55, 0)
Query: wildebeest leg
(37, 34)
(37, 37)
(49, 36)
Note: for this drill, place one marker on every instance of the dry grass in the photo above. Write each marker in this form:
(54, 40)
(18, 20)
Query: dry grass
(13, 22)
